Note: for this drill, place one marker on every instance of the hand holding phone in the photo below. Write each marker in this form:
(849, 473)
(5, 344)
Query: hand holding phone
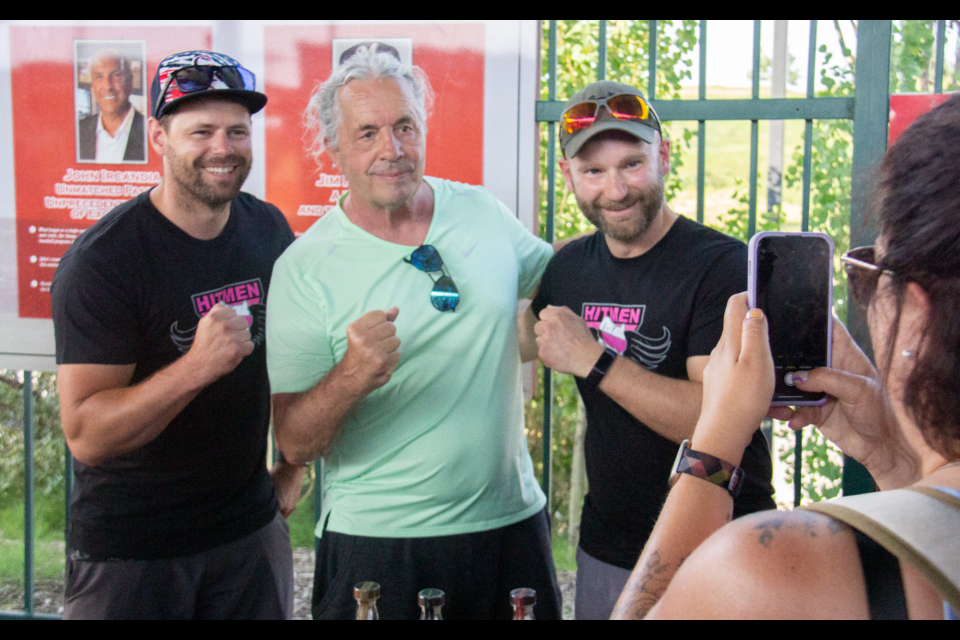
(791, 281)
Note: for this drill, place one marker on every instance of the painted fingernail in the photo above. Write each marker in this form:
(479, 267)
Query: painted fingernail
(754, 314)
(799, 377)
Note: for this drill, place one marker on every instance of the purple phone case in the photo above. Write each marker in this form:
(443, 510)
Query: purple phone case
(752, 297)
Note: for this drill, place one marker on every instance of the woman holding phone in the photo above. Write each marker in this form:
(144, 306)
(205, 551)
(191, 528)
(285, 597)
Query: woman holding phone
(902, 423)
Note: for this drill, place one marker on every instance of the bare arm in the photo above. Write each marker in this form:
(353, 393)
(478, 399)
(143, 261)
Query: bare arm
(103, 417)
(667, 405)
(307, 424)
(528, 338)
(695, 508)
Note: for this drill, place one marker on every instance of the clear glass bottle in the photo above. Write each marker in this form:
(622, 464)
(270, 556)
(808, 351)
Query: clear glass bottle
(522, 601)
(431, 600)
(366, 594)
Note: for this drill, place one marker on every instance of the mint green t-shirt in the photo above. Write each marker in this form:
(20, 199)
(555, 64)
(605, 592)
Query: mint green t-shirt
(440, 449)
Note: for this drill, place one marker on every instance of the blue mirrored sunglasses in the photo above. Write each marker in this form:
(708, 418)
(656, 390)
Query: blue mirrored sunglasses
(445, 295)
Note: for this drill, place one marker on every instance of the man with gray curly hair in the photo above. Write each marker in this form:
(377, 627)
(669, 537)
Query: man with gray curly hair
(401, 368)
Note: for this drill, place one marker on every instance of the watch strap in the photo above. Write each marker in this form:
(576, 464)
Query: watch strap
(602, 366)
(709, 468)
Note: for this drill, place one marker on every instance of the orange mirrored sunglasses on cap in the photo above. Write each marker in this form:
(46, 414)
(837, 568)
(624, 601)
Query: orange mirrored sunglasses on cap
(622, 107)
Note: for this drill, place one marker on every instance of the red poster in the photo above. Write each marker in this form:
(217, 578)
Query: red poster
(906, 108)
(298, 58)
(70, 168)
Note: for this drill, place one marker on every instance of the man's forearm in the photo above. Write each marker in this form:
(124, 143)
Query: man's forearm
(120, 419)
(669, 406)
(307, 424)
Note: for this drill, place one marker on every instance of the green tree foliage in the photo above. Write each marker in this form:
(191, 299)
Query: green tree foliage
(48, 445)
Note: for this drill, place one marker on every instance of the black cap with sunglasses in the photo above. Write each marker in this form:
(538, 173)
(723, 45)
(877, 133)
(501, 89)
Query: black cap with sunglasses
(192, 74)
(605, 106)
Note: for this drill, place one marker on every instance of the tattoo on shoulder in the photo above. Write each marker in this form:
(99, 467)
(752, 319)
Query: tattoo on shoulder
(804, 522)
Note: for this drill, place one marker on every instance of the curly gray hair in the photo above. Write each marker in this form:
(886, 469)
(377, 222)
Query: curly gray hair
(323, 116)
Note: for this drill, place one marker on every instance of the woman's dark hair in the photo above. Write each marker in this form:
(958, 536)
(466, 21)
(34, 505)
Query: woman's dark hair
(919, 215)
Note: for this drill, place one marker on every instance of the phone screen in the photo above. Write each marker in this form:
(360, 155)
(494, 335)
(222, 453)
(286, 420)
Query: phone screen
(793, 288)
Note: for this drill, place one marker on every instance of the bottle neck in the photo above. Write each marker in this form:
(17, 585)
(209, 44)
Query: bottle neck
(431, 612)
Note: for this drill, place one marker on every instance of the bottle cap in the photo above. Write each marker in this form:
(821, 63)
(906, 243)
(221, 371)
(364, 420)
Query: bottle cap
(431, 598)
(366, 590)
(524, 597)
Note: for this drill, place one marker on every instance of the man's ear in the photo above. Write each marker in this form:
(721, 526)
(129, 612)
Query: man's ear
(157, 137)
(664, 156)
(331, 153)
(565, 169)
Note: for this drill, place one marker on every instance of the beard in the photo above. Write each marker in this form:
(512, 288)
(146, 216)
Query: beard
(189, 176)
(648, 203)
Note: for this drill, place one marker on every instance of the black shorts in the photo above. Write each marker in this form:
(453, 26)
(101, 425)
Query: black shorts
(251, 578)
(476, 571)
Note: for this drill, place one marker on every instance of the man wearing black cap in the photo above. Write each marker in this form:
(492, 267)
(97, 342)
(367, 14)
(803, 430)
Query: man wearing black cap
(159, 314)
(633, 311)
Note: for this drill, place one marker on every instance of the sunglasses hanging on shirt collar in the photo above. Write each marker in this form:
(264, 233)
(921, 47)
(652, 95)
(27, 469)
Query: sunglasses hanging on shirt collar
(444, 296)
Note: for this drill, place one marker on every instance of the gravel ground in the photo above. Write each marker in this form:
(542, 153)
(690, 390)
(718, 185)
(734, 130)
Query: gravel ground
(48, 594)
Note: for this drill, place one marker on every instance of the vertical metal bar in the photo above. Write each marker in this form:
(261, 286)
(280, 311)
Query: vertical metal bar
(28, 510)
(871, 114)
(797, 467)
(652, 64)
(546, 478)
(805, 226)
(602, 52)
(702, 125)
(754, 132)
(808, 130)
(67, 481)
(941, 43)
(317, 499)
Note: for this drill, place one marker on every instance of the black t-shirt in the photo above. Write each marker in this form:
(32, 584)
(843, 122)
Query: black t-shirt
(657, 309)
(131, 290)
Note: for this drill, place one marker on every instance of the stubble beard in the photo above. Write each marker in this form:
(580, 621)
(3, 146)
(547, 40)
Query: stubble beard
(189, 177)
(649, 201)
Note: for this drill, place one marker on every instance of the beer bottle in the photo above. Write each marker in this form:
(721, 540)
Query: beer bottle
(366, 594)
(431, 600)
(522, 601)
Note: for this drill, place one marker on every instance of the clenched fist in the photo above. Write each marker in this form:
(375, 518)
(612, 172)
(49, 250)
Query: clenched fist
(565, 343)
(221, 342)
(372, 349)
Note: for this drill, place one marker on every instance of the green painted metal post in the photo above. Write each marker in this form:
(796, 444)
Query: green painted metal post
(940, 44)
(652, 63)
(870, 119)
(546, 477)
(702, 124)
(602, 51)
(805, 226)
(28, 510)
(754, 132)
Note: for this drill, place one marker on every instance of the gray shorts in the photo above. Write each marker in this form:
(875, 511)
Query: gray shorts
(251, 578)
(598, 587)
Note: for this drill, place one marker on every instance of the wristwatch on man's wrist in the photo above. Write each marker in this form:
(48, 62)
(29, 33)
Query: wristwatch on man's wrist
(707, 467)
(602, 366)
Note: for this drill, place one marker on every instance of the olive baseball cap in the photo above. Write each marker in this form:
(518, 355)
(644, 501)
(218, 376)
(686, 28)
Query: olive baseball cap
(637, 118)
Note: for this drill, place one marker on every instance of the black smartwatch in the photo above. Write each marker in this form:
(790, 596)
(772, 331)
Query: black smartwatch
(603, 365)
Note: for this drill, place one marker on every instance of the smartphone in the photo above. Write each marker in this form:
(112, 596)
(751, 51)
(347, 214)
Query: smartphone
(791, 281)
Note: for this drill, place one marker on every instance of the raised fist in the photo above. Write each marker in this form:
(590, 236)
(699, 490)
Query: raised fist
(372, 349)
(222, 341)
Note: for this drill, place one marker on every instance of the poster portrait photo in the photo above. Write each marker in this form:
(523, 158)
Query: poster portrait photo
(110, 99)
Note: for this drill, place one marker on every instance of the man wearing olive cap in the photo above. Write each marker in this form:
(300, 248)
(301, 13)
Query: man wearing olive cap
(633, 311)
(159, 315)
